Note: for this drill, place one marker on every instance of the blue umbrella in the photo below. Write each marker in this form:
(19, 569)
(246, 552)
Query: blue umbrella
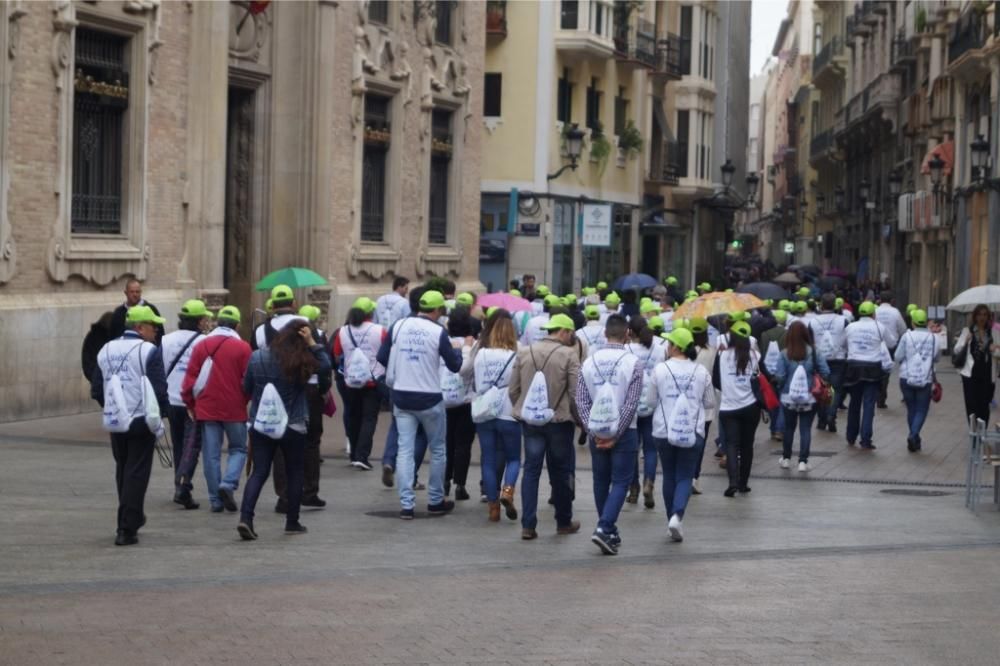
(638, 281)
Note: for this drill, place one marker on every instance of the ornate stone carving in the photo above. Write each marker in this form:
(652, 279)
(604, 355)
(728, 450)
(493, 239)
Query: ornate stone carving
(14, 14)
(153, 43)
(63, 24)
(248, 33)
(426, 22)
(373, 262)
(439, 261)
(403, 72)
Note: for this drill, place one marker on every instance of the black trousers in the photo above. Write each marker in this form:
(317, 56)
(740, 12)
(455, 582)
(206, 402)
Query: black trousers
(133, 452)
(310, 453)
(458, 440)
(264, 450)
(361, 409)
(883, 391)
(740, 427)
(978, 394)
(179, 423)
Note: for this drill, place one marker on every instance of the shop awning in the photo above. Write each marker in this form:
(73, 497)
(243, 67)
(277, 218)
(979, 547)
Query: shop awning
(946, 151)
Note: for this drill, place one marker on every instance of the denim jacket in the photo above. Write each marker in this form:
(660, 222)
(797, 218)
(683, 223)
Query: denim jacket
(263, 369)
(787, 367)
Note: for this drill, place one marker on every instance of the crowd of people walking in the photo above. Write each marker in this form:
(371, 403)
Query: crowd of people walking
(641, 384)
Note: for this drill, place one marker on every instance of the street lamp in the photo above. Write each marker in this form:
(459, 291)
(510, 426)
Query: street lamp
(821, 202)
(574, 144)
(895, 183)
(727, 174)
(753, 180)
(980, 153)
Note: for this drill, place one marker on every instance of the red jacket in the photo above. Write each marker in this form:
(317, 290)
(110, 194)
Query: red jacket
(223, 398)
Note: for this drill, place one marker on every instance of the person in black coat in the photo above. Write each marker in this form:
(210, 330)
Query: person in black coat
(133, 297)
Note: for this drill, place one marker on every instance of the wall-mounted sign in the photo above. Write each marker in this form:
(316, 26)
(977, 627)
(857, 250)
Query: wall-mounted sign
(789, 248)
(596, 225)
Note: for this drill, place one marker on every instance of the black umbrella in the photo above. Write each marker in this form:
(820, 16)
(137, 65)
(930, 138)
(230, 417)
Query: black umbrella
(764, 290)
(831, 282)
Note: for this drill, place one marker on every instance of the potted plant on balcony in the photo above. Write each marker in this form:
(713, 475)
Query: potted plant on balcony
(600, 147)
(630, 141)
(921, 20)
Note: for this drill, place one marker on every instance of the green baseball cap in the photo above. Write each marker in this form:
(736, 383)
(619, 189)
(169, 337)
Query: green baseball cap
(740, 328)
(918, 317)
(589, 291)
(803, 292)
(613, 298)
(542, 290)
(682, 323)
(784, 304)
(739, 315)
(269, 305)
(230, 313)
(195, 309)
(465, 298)
(670, 281)
(514, 292)
(490, 310)
(729, 291)
(769, 302)
(656, 323)
(698, 324)
(691, 294)
(644, 300)
(364, 304)
(569, 300)
(602, 285)
(592, 312)
(679, 337)
(310, 312)
(911, 307)
(649, 307)
(780, 316)
(560, 321)
(282, 292)
(838, 302)
(142, 314)
(705, 286)
(431, 300)
(552, 300)
(866, 309)
(798, 307)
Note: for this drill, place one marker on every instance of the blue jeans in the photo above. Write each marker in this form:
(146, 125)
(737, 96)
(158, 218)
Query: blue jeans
(644, 428)
(804, 421)
(679, 466)
(408, 422)
(918, 403)
(392, 447)
(863, 394)
(777, 420)
(211, 452)
(612, 474)
(829, 415)
(499, 439)
(292, 446)
(551, 443)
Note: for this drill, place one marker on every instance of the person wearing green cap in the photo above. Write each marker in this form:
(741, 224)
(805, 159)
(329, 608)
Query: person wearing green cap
(281, 373)
(177, 348)
(602, 286)
(412, 354)
(893, 327)
(547, 422)
(704, 288)
(868, 360)
(739, 412)
(391, 307)
(592, 333)
(829, 330)
(797, 368)
(650, 349)
(285, 312)
(680, 452)
(916, 355)
(649, 309)
(116, 384)
(534, 328)
(772, 343)
(213, 392)
(133, 297)
(610, 306)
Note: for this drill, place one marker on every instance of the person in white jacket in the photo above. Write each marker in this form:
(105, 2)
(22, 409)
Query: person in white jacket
(893, 327)
(592, 333)
(916, 355)
(680, 373)
(977, 345)
(868, 361)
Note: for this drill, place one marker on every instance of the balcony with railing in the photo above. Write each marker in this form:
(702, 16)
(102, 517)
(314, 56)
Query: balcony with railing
(829, 60)
(903, 53)
(496, 18)
(968, 37)
(586, 28)
(668, 58)
(820, 145)
(635, 44)
(942, 100)
(665, 163)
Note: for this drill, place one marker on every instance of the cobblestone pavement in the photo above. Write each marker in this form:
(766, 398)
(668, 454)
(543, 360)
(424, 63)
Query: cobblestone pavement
(796, 572)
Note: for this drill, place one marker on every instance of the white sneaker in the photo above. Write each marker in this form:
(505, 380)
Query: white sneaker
(696, 486)
(785, 463)
(803, 467)
(676, 533)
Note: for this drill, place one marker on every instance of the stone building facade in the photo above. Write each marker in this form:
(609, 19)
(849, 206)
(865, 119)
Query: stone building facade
(199, 145)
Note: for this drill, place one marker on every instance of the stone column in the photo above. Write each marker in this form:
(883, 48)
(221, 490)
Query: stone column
(201, 268)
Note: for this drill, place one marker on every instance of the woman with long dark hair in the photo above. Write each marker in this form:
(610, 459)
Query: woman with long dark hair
(461, 431)
(739, 413)
(976, 342)
(287, 364)
(359, 381)
(797, 403)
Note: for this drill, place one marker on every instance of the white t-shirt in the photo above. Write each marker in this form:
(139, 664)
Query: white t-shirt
(892, 323)
(368, 337)
(672, 377)
(171, 345)
(865, 341)
(736, 389)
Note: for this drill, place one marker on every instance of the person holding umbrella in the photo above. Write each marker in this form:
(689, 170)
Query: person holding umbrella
(973, 355)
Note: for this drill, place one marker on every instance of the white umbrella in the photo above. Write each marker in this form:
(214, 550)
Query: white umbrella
(987, 294)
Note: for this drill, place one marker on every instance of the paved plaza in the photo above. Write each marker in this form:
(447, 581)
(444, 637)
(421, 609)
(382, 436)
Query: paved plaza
(845, 566)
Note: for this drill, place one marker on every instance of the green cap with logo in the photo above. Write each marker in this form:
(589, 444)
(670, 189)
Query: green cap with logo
(613, 298)
(142, 314)
(656, 323)
(269, 306)
(559, 322)
(799, 307)
(679, 337)
(682, 323)
(780, 316)
(465, 298)
(866, 309)
(918, 317)
(691, 294)
(364, 304)
(740, 328)
(541, 290)
(588, 291)
(698, 324)
(569, 300)
(602, 285)
(282, 293)
(432, 300)
(592, 312)
(230, 313)
(552, 300)
(195, 309)
(310, 312)
(649, 308)
(670, 281)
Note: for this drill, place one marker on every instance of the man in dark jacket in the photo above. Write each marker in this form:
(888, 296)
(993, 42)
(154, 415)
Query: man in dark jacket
(133, 297)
